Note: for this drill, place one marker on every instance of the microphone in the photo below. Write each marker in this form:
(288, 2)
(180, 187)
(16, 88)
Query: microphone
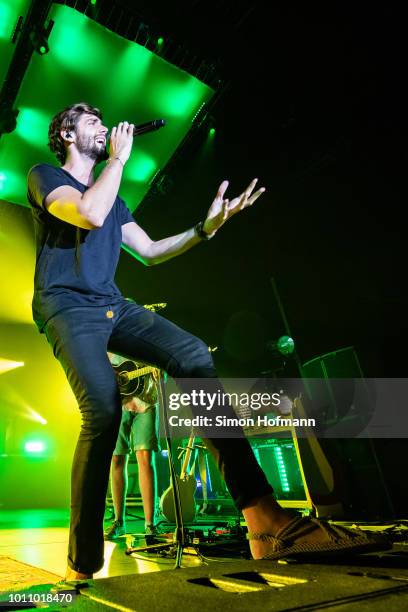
(144, 128)
(149, 126)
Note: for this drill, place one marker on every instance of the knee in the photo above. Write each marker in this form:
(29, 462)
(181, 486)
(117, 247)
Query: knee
(197, 361)
(119, 462)
(102, 414)
(144, 458)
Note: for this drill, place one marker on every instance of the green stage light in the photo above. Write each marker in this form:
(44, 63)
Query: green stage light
(5, 20)
(212, 131)
(285, 345)
(141, 87)
(32, 126)
(281, 469)
(9, 182)
(94, 2)
(34, 446)
(39, 40)
(179, 97)
(140, 168)
(160, 41)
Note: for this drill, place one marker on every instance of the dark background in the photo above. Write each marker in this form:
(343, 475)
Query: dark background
(315, 109)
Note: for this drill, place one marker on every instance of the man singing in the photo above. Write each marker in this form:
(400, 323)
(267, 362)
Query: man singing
(80, 225)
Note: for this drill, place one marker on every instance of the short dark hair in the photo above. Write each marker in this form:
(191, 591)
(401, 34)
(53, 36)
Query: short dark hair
(67, 119)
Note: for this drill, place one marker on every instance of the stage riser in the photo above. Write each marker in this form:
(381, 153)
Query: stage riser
(316, 586)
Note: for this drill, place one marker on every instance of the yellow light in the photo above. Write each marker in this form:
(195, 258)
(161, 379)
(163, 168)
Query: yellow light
(17, 247)
(34, 416)
(6, 365)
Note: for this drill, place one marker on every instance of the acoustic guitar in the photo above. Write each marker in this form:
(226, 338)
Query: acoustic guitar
(187, 486)
(131, 379)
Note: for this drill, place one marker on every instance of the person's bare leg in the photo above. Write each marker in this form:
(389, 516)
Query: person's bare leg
(119, 483)
(146, 483)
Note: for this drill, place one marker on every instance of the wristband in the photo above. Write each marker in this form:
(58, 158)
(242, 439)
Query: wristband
(199, 230)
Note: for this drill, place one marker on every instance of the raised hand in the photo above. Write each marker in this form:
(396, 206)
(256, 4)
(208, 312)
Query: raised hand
(121, 141)
(222, 209)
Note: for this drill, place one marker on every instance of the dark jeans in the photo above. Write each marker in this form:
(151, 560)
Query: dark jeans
(80, 338)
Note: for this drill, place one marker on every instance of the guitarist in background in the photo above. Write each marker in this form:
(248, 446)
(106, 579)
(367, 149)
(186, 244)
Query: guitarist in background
(137, 428)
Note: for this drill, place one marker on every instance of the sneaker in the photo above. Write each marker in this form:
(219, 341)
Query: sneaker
(116, 530)
(150, 529)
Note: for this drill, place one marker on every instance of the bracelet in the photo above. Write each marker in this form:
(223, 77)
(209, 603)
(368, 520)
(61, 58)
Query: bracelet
(199, 230)
(118, 158)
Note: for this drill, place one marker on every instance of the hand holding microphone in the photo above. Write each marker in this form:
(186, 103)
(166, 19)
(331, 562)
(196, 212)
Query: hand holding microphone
(121, 137)
(121, 141)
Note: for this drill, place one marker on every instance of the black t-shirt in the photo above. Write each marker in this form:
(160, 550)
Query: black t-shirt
(74, 267)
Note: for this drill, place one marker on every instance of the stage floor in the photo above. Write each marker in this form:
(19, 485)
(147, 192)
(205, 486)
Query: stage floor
(40, 538)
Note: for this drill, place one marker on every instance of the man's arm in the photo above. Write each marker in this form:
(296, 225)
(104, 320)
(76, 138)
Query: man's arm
(150, 252)
(137, 242)
(90, 209)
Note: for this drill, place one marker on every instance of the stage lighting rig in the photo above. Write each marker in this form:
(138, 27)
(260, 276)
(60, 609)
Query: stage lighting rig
(39, 38)
(8, 118)
(285, 345)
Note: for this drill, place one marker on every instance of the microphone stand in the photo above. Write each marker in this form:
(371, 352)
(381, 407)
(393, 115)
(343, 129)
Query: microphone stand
(179, 534)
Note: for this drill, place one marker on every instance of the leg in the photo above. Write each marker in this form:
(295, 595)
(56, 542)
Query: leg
(119, 476)
(141, 334)
(119, 483)
(79, 339)
(144, 433)
(147, 483)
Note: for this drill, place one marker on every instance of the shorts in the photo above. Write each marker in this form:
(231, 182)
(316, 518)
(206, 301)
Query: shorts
(138, 430)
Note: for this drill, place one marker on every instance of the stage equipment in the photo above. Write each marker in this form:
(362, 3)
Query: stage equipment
(8, 119)
(187, 486)
(39, 38)
(149, 126)
(366, 582)
(30, 36)
(174, 94)
(320, 458)
(345, 469)
(144, 128)
(334, 374)
(285, 345)
(277, 444)
(180, 536)
(131, 379)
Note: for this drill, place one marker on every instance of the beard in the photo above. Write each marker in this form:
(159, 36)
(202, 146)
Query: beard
(88, 146)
